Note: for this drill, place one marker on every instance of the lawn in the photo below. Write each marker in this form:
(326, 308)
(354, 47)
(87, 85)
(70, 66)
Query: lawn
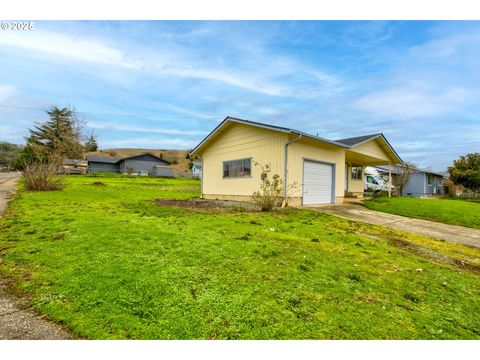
(101, 258)
(455, 212)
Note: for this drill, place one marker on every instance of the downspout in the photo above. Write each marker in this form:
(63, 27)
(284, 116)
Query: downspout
(285, 161)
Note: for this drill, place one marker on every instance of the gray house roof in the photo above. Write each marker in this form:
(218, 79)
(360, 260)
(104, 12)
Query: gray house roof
(394, 169)
(357, 140)
(79, 162)
(112, 160)
(105, 160)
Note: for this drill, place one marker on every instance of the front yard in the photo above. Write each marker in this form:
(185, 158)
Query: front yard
(454, 212)
(105, 260)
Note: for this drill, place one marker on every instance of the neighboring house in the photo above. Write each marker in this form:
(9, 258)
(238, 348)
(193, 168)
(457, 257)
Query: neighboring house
(422, 183)
(197, 169)
(144, 164)
(164, 171)
(75, 166)
(315, 170)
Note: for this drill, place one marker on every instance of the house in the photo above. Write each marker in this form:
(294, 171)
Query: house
(197, 169)
(145, 164)
(75, 166)
(422, 183)
(314, 170)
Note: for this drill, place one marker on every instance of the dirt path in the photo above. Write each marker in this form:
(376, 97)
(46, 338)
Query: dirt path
(16, 321)
(455, 234)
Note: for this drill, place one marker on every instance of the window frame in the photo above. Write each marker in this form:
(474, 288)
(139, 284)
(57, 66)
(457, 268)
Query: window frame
(236, 177)
(430, 177)
(356, 173)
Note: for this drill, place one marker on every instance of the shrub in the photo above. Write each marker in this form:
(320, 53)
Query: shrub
(270, 194)
(42, 176)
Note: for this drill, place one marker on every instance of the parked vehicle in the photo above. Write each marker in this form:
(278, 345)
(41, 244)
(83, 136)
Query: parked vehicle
(374, 182)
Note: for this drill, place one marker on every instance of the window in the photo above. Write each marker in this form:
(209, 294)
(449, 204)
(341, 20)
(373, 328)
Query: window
(429, 179)
(356, 173)
(371, 180)
(237, 168)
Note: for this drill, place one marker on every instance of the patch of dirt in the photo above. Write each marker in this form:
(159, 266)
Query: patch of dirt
(209, 205)
(425, 252)
(98, 183)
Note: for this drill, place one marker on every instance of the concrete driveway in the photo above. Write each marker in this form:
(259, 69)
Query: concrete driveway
(455, 234)
(16, 322)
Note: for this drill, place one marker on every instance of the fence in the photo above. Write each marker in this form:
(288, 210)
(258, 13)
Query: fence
(470, 194)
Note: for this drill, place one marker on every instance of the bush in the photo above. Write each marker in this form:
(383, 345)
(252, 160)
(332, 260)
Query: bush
(42, 176)
(381, 193)
(270, 194)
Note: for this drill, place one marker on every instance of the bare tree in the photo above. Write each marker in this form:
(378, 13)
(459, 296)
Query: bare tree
(404, 174)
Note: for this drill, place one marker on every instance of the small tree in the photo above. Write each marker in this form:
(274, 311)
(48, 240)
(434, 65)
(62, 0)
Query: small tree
(91, 143)
(466, 171)
(404, 174)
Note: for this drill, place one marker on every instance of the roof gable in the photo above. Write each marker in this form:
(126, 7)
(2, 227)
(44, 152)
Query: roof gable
(229, 119)
(111, 160)
(347, 143)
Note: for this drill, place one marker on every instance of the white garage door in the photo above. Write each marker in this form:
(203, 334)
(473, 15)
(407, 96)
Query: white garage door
(317, 183)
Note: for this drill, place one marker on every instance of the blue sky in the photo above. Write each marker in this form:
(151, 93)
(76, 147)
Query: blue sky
(167, 84)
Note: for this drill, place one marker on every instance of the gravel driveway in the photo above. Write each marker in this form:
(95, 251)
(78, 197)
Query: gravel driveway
(16, 321)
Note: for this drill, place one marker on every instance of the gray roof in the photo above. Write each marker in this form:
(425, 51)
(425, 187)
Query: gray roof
(112, 160)
(394, 169)
(105, 160)
(74, 162)
(357, 139)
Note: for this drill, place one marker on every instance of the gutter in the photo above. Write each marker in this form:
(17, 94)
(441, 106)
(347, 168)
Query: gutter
(285, 168)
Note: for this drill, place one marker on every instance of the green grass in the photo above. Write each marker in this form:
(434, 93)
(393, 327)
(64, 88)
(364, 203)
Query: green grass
(447, 211)
(108, 263)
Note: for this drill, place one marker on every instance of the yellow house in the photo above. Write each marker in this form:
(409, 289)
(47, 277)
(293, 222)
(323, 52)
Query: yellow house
(314, 170)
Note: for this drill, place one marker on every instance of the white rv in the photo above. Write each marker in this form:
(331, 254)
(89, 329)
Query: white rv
(374, 182)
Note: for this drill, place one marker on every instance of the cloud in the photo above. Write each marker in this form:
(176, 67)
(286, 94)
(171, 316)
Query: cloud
(412, 102)
(154, 143)
(6, 92)
(260, 71)
(145, 129)
(69, 46)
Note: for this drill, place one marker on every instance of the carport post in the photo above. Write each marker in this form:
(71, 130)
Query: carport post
(390, 180)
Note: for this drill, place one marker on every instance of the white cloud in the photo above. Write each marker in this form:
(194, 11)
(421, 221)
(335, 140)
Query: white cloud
(153, 143)
(6, 92)
(412, 102)
(68, 46)
(146, 129)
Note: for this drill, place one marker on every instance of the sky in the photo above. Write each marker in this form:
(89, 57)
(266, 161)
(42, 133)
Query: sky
(167, 84)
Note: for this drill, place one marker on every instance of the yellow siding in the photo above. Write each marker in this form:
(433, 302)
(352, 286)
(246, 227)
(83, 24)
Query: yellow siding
(372, 148)
(315, 150)
(240, 141)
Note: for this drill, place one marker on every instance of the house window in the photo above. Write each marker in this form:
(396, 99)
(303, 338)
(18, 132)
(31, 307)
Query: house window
(356, 173)
(429, 179)
(237, 168)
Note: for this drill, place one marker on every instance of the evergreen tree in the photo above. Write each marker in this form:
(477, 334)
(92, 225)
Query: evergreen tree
(91, 143)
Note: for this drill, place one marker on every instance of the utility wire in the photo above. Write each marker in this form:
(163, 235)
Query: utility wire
(114, 114)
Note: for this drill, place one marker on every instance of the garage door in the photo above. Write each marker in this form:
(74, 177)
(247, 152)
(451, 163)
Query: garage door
(317, 183)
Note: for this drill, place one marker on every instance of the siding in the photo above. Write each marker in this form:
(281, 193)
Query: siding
(139, 165)
(310, 149)
(95, 167)
(240, 141)
(416, 186)
(372, 148)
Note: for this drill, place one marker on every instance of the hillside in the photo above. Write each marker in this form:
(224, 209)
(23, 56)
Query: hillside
(176, 157)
